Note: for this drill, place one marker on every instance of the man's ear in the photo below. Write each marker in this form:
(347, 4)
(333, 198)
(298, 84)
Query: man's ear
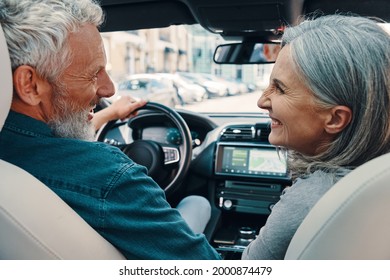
(25, 81)
(339, 117)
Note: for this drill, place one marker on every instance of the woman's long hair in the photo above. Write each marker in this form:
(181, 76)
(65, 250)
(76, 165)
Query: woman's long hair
(344, 60)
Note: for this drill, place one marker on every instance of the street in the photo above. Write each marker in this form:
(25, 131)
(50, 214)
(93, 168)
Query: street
(246, 102)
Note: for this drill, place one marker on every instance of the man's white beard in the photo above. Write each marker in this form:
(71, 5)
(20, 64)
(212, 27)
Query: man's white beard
(73, 125)
(68, 122)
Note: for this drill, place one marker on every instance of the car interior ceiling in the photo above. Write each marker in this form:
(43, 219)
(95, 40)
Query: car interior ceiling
(231, 19)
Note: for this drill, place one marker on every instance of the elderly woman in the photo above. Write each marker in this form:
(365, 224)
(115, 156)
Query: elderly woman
(328, 100)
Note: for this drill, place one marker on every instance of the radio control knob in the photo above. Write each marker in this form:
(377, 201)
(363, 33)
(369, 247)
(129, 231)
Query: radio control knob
(227, 204)
(247, 233)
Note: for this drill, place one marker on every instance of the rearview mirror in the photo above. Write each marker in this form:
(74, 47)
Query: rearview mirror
(247, 53)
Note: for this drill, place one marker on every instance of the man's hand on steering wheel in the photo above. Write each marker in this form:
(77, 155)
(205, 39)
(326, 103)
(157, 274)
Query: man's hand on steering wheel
(121, 109)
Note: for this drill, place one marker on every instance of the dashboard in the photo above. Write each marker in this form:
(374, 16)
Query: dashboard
(233, 165)
(238, 150)
(157, 127)
(167, 135)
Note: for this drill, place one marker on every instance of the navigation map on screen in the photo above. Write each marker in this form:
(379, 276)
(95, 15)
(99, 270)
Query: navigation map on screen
(251, 161)
(266, 161)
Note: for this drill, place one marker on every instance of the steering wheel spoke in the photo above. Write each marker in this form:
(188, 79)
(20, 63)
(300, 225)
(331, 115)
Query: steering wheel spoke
(171, 155)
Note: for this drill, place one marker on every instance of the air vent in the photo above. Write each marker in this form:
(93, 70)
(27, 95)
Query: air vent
(246, 133)
(262, 131)
(238, 133)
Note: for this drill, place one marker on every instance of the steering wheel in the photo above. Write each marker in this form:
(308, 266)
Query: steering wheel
(167, 164)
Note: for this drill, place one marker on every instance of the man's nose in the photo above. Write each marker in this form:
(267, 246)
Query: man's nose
(106, 87)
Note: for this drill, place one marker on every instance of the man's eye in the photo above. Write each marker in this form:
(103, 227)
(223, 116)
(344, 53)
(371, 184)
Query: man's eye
(94, 77)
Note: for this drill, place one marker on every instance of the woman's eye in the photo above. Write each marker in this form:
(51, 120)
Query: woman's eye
(279, 89)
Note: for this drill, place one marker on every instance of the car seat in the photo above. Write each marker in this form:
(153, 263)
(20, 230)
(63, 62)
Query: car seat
(34, 222)
(350, 222)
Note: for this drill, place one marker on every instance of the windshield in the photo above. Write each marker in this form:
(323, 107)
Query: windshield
(174, 66)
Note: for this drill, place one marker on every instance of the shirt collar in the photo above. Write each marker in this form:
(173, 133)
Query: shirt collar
(27, 125)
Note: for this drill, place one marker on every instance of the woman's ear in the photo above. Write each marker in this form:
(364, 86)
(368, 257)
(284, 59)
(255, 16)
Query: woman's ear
(340, 116)
(25, 81)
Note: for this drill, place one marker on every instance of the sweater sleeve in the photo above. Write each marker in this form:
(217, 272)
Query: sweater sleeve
(286, 216)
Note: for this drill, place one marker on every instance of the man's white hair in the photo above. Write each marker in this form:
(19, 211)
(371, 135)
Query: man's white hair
(36, 31)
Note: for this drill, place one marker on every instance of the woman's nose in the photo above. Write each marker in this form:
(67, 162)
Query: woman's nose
(264, 101)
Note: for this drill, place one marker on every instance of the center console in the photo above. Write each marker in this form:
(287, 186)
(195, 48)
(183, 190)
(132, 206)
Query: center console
(250, 177)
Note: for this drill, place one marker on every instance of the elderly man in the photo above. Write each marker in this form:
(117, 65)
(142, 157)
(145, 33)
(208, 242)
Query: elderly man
(59, 75)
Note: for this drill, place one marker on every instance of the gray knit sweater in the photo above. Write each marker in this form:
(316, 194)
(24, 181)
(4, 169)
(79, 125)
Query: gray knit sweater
(286, 216)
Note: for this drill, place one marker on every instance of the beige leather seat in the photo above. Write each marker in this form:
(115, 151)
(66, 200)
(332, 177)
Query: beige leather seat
(34, 222)
(351, 221)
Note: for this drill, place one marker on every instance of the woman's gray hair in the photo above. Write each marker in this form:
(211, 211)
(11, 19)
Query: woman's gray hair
(36, 31)
(344, 60)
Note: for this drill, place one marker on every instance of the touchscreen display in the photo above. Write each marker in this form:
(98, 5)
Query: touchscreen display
(250, 161)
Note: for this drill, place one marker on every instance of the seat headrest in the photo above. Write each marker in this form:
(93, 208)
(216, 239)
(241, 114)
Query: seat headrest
(5, 80)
